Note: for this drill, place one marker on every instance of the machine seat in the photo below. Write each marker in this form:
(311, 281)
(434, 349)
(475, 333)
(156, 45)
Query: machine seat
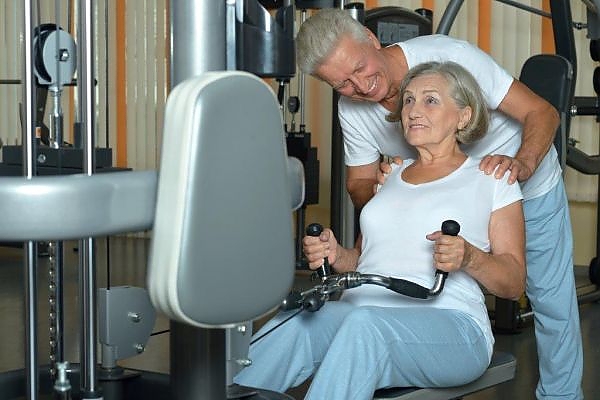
(502, 368)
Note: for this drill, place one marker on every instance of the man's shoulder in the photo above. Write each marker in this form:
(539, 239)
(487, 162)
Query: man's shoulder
(347, 106)
(434, 46)
(434, 39)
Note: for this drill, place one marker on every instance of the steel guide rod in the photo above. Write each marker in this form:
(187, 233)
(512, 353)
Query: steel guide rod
(30, 249)
(87, 280)
(55, 248)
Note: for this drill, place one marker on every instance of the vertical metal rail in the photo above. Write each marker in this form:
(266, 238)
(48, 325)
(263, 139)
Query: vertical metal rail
(343, 215)
(30, 250)
(198, 45)
(302, 83)
(449, 16)
(87, 279)
(564, 38)
(55, 248)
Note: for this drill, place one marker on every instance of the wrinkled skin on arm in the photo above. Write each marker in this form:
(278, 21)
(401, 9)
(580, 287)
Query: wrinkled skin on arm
(540, 121)
(502, 270)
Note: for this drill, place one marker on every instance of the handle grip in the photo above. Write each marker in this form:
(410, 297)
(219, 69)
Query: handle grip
(316, 230)
(408, 288)
(449, 227)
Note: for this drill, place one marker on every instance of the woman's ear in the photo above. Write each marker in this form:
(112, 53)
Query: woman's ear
(465, 117)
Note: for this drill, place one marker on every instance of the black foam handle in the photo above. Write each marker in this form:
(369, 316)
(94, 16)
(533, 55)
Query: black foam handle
(313, 302)
(292, 301)
(316, 230)
(408, 288)
(449, 227)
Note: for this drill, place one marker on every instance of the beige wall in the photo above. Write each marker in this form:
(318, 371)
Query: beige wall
(583, 218)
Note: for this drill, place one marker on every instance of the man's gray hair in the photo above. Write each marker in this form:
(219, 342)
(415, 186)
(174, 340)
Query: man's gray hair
(320, 34)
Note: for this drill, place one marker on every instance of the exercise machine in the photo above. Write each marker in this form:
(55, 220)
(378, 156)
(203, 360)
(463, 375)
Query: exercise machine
(188, 239)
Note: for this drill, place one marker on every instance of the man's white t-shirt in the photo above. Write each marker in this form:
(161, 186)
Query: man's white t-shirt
(397, 219)
(367, 134)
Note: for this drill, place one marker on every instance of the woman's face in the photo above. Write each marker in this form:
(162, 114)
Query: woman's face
(429, 115)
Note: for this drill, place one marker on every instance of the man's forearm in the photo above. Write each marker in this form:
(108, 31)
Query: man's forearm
(538, 136)
(361, 191)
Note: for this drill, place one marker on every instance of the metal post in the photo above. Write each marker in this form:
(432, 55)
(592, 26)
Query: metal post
(198, 44)
(87, 281)
(342, 215)
(449, 16)
(562, 26)
(198, 40)
(28, 123)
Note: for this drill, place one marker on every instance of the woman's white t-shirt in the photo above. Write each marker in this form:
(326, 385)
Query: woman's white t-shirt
(394, 225)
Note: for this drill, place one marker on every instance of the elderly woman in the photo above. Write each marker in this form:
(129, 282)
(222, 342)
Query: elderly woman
(373, 338)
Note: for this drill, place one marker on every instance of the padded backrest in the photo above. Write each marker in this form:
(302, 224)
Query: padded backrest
(551, 77)
(76, 206)
(222, 248)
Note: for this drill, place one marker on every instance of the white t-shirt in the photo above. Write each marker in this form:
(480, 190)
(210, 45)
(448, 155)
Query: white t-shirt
(367, 134)
(394, 225)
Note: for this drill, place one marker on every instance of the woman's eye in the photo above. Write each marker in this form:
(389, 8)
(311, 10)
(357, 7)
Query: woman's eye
(431, 100)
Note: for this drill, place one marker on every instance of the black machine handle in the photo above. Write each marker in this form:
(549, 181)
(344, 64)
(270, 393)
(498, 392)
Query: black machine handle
(408, 288)
(315, 230)
(449, 227)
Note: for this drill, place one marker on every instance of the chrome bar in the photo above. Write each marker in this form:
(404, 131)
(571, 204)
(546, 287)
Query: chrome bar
(28, 124)
(87, 282)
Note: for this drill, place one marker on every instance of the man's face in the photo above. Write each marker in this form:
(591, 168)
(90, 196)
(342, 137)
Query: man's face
(356, 70)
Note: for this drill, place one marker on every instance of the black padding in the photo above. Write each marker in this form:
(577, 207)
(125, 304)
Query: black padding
(408, 288)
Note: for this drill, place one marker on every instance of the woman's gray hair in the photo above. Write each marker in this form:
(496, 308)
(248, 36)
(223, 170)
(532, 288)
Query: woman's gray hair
(464, 90)
(320, 34)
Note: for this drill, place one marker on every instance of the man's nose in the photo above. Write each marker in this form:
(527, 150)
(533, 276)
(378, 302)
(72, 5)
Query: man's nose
(361, 84)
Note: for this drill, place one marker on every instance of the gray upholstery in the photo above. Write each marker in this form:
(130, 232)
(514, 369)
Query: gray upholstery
(76, 206)
(222, 250)
(502, 368)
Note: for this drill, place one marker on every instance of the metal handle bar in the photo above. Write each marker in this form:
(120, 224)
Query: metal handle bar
(314, 298)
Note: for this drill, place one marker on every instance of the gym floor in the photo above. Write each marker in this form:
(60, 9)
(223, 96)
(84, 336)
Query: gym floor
(124, 260)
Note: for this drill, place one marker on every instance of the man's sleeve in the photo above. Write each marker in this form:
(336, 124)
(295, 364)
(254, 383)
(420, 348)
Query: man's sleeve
(358, 148)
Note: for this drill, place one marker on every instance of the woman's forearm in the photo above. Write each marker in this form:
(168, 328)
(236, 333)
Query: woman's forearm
(501, 274)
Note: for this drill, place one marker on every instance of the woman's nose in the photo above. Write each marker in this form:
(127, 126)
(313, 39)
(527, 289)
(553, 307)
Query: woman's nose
(413, 110)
